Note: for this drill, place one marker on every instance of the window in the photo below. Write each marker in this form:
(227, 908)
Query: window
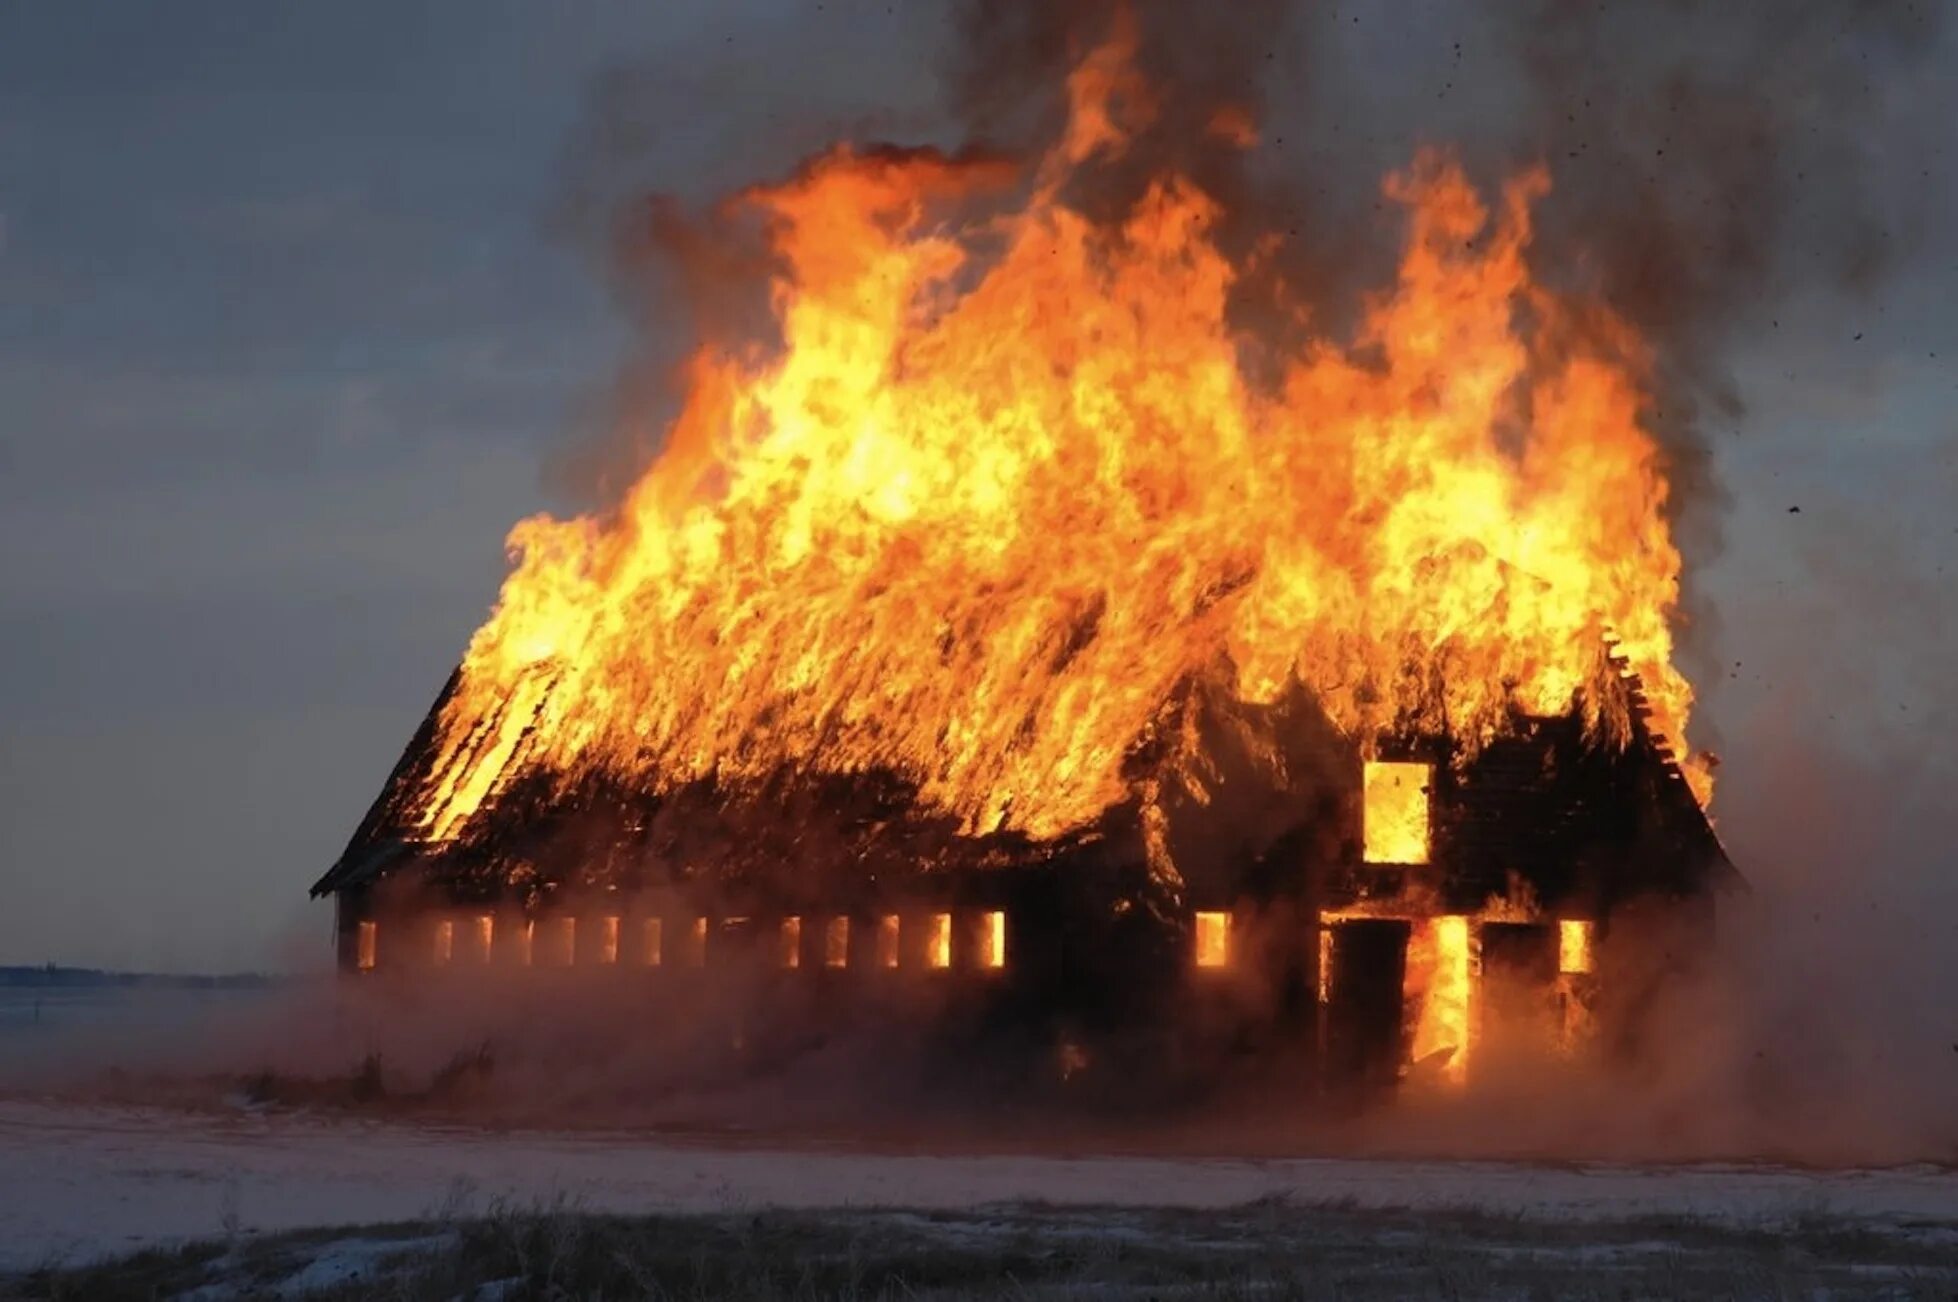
(1213, 939)
(836, 942)
(649, 942)
(485, 932)
(366, 938)
(608, 939)
(938, 940)
(564, 950)
(992, 939)
(1395, 817)
(697, 944)
(792, 942)
(1574, 947)
(526, 936)
(887, 938)
(445, 941)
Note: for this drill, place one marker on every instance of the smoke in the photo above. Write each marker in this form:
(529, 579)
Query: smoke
(1708, 159)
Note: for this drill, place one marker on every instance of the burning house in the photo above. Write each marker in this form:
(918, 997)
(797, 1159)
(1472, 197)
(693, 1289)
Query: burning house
(1017, 627)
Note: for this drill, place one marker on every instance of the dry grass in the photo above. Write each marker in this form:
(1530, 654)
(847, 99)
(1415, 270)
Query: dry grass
(1266, 1250)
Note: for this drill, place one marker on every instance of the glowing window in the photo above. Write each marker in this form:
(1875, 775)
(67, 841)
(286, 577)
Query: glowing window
(1213, 939)
(608, 939)
(366, 936)
(697, 944)
(649, 942)
(1325, 962)
(1574, 946)
(445, 940)
(836, 942)
(887, 938)
(485, 933)
(1439, 979)
(792, 942)
(525, 938)
(565, 951)
(938, 940)
(1396, 812)
(992, 939)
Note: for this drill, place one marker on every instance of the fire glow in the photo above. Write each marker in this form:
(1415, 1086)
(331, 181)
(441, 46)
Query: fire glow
(1440, 982)
(1007, 480)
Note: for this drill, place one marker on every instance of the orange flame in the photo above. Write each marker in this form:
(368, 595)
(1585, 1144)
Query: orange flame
(1213, 939)
(1006, 482)
(1441, 977)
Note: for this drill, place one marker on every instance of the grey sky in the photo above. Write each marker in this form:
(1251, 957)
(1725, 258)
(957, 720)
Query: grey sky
(291, 331)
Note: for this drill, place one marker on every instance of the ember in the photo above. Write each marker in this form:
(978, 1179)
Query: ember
(1002, 601)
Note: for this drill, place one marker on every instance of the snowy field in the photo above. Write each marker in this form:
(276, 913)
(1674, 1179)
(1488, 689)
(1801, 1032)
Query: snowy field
(80, 1181)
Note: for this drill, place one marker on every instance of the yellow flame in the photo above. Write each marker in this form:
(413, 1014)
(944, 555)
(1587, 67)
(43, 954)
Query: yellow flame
(1008, 480)
(1440, 974)
(992, 939)
(1213, 935)
(1574, 946)
(1394, 820)
(938, 940)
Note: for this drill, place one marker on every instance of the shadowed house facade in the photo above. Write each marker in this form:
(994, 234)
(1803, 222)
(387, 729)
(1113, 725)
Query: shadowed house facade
(1272, 892)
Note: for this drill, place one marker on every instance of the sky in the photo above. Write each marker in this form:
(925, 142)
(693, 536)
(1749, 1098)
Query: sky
(300, 311)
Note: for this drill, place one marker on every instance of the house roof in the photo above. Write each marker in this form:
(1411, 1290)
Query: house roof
(1513, 819)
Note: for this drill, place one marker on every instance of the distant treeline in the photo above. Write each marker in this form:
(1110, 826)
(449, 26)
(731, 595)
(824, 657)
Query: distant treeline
(51, 975)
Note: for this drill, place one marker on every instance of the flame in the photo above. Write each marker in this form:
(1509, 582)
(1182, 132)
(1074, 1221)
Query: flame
(1440, 977)
(1008, 479)
(1395, 812)
(1213, 939)
(1574, 947)
(992, 939)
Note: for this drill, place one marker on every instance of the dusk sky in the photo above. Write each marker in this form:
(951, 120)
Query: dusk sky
(296, 319)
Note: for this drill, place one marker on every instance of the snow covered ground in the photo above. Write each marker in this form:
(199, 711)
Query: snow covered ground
(80, 1180)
